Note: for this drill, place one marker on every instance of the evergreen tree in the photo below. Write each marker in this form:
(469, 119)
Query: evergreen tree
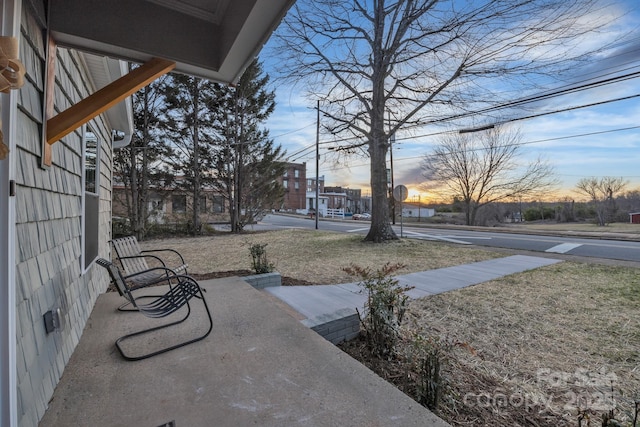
(189, 129)
(247, 162)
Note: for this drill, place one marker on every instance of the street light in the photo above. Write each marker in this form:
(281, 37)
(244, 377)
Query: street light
(478, 129)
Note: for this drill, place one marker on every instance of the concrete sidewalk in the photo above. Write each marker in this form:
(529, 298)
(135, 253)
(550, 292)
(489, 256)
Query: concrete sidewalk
(324, 301)
(260, 366)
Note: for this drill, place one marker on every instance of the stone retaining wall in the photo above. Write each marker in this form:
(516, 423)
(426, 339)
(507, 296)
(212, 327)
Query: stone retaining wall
(265, 280)
(342, 325)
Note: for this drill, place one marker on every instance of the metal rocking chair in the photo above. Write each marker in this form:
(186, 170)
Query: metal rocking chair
(136, 270)
(181, 290)
(133, 260)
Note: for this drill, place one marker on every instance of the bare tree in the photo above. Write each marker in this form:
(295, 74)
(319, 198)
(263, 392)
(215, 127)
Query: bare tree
(138, 166)
(602, 192)
(382, 66)
(485, 167)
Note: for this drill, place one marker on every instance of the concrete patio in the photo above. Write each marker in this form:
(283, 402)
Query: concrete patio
(260, 366)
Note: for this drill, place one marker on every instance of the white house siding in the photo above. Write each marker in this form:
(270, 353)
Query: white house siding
(48, 227)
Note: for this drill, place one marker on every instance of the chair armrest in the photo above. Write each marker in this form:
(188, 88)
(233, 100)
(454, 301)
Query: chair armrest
(144, 256)
(165, 250)
(166, 275)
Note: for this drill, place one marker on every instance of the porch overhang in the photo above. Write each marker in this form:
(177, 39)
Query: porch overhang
(212, 39)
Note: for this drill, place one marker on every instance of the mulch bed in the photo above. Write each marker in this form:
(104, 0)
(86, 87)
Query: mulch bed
(286, 281)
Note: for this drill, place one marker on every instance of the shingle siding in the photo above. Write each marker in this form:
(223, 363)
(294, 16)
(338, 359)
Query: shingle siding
(48, 227)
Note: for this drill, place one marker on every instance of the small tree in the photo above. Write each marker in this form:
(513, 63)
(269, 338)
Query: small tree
(247, 161)
(386, 305)
(602, 192)
(484, 167)
(190, 132)
(259, 260)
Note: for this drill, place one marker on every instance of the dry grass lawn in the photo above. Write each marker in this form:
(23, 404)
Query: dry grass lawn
(547, 344)
(617, 227)
(553, 341)
(315, 256)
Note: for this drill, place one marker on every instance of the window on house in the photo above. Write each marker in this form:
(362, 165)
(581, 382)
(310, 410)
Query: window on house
(90, 196)
(179, 203)
(296, 173)
(218, 204)
(285, 174)
(285, 183)
(296, 185)
(203, 205)
(156, 205)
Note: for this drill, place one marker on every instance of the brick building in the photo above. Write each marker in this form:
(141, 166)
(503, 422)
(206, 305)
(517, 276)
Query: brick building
(171, 205)
(294, 181)
(350, 200)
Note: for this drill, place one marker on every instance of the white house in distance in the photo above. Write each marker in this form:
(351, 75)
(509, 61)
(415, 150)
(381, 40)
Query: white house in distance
(414, 210)
(60, 127)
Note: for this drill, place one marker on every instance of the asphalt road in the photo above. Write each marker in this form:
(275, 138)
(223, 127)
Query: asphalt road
(585, 247)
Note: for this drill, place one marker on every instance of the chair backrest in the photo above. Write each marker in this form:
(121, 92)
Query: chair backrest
(116, 278)
(128, 247)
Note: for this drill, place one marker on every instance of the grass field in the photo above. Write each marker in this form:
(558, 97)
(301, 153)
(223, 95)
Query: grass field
(315, 256)
(617, 227)
(555, 341)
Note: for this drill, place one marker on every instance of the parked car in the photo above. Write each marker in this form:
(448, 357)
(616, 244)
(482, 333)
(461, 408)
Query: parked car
(362, 217)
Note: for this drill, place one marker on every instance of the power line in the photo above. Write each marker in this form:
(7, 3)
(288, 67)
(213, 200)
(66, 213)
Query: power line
(292, 131)
(559, 91)
(301, 150)
(400, 159)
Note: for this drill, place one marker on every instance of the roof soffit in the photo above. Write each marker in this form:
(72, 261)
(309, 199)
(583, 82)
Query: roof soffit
(213, 39)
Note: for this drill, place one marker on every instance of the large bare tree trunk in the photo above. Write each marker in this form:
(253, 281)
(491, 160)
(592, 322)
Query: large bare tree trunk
(380, 229)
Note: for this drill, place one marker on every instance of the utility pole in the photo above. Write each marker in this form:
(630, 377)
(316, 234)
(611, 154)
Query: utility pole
(392, 139)
(317, 212)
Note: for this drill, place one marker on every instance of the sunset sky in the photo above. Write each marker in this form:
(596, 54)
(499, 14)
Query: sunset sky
(599, 140)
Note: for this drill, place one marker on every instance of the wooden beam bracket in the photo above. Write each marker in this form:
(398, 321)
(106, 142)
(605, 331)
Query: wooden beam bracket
(78, 114)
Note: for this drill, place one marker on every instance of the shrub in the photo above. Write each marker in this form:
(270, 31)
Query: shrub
(410, 359)
(423, 363)
(384, 309)
(259, 258)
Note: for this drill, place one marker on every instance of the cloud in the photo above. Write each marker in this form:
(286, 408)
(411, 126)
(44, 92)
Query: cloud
(409, 175)
(293, 124)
